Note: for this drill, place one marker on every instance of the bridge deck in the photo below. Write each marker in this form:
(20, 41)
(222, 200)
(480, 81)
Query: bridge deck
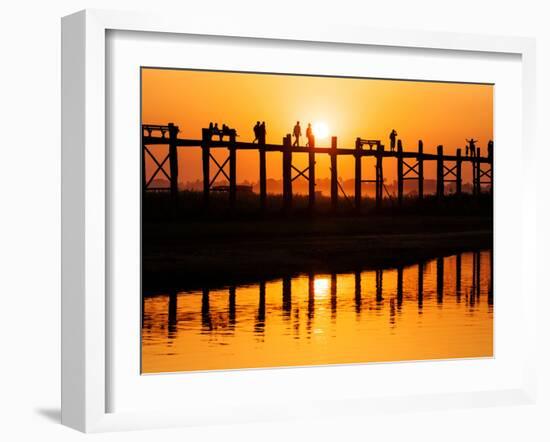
(240, 145)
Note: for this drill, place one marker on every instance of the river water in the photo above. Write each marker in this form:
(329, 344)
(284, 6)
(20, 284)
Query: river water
(437, 309)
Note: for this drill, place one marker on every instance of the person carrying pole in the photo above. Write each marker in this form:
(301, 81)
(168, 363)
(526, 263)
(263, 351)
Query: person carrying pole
(297, 134)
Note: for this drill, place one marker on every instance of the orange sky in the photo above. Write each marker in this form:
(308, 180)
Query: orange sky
(437, 113)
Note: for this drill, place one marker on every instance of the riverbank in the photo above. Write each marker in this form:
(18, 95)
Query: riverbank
(217, 253)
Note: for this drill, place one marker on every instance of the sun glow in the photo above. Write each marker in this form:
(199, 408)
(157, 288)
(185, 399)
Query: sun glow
(320, 130)
(321, 287)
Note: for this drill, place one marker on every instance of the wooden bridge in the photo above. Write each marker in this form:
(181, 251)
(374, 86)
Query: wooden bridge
(410, 165)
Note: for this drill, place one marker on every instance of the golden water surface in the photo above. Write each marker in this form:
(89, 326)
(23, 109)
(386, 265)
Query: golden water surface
(438, 309)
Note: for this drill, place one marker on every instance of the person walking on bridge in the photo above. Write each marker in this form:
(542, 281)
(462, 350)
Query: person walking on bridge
(297, 134)
(393, 136)
(309, 136)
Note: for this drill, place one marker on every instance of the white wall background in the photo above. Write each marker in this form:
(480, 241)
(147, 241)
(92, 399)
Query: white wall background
(30, 214)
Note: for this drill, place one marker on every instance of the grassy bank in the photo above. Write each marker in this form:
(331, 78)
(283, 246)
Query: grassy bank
(220, 250)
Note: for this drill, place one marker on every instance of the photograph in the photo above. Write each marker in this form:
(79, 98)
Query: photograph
(292, 220)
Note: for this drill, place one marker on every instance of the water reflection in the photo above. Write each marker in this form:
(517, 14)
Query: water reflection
(437, 309)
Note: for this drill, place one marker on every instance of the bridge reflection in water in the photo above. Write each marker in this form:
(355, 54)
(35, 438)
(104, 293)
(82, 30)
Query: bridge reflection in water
(438, 309)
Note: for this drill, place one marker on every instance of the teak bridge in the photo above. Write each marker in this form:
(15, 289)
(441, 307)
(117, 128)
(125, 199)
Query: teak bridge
(410, 165)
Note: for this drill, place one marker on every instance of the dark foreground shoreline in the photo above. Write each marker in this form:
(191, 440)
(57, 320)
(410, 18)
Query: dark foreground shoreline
(192, 255)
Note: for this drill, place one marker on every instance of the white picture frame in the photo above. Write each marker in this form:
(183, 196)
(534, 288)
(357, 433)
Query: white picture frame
(86, 356)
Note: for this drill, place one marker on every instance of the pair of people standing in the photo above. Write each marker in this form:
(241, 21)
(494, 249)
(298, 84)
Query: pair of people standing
(259, 132)
(297, 132)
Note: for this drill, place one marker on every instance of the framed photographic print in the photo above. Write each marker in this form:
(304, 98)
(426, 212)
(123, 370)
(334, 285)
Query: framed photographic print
(250, 214)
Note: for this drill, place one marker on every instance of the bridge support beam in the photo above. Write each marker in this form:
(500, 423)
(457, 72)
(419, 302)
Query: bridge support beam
(458, 189)
(440, 189)
(232, 171)
(490, 156)
(400, 174)
(173, 155)
(333, 174)
(379, 178)
(311, 175)
(287, 173)
(263, 175)
(474, 175)
(420, 170)
(358, 175)
(478, 171)
(206, 138)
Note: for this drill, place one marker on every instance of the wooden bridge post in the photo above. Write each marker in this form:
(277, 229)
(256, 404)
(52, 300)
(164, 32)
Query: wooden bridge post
(400, 174)
(333, 174)
(143, 172)
(232, 170)
(478, 171)
(358, 178)
(440, 189)
(173, 154)
(420, 170)
(379, 177)
(458, 172)
(490, 291)
(490, 156)
(474, 175)
(206, 138)
(287, 173)
(311, 174)
(263, 174)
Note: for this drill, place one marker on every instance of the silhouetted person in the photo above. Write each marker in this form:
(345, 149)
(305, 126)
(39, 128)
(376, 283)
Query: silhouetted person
(309, 136)
(399, 145)
(393, 135)
(467, 150)
(261, 133)
(216, 129)
(472, 144)
(211, 127)
(490, 148)
(256, 132)
(224, 131)
(297, 134)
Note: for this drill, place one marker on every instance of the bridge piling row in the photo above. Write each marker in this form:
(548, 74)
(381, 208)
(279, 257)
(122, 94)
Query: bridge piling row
(410, 166)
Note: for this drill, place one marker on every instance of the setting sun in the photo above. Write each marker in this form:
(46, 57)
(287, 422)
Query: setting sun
(320, 130)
